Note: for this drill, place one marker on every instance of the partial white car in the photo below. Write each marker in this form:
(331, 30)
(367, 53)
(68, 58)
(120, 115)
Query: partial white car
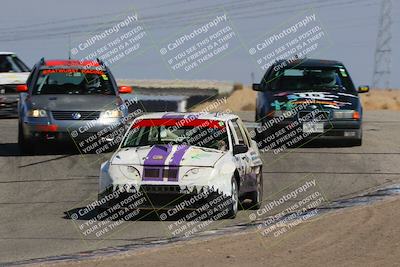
(13, 73)
(175, 156)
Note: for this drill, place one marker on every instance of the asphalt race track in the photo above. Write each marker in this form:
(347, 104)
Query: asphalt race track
(37, 191)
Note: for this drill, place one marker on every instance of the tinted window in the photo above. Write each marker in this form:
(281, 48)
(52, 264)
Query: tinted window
(240, 135)
(231, 134)
(304, 78)
(11, 63)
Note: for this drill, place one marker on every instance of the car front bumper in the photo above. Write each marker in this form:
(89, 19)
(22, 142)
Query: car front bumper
(160, 197)
(69, 130)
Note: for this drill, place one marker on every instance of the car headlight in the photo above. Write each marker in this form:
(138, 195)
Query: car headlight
(346, 114)
(37, 113)
(114, 113)
(196, 173)
(130, 172)
(193, 171)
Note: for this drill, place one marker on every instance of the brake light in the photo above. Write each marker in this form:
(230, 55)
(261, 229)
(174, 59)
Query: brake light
(47, 128)
(356, 115)
(125, 89)
(22, 88)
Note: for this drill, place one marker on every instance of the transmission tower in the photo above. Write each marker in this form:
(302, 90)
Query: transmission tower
(383, 50)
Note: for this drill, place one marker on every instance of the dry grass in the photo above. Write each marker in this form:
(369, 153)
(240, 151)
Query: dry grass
(381, 99)
(240, 99)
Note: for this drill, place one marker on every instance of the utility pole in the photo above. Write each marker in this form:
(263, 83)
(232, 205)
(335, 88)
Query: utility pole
(383, 50)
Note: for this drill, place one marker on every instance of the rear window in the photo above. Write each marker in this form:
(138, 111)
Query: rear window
(73, 82)
(11, 63)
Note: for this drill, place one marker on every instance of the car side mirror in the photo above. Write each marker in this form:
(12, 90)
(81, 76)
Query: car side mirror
(124, 89)
(22, 88)
(239, 149)
(257, 87)
(363, 89)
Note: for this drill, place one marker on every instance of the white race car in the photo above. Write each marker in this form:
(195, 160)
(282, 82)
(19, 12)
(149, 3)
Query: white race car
(13, 73)
(172, 157)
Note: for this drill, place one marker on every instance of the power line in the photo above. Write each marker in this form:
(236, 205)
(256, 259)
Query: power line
(236, 9)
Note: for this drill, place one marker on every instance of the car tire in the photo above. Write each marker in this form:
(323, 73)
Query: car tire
(256, 196)
(25, 146)
(234, 206)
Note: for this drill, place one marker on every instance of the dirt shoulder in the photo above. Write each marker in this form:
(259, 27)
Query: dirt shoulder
(245, 99)
(360, 236)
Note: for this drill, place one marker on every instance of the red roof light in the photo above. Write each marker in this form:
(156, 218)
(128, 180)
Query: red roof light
(179, 123)
(72, 63)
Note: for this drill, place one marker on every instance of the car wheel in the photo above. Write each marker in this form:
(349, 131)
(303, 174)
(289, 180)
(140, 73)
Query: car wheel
(24, 145)
(256, 196)
(234, 205)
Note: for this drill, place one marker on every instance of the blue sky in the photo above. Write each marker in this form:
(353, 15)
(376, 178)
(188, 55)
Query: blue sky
(49, 28)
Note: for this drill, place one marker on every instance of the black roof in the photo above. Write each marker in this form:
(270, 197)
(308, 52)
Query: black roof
(309, 62)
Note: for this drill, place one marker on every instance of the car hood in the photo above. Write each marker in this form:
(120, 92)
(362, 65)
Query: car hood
(13, 77)
(75, 102)
(167, 155)
(284, 100)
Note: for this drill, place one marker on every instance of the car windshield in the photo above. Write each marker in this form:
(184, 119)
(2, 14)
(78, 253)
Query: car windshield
(202, 133)
(11, 63)
(73, 82)
(305, 79)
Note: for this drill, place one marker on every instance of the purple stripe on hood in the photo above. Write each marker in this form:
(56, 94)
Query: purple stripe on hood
(178, 155)
(156, 164)
(176, 160)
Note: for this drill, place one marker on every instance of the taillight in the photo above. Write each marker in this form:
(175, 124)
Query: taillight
(47, 128)
(356, 115)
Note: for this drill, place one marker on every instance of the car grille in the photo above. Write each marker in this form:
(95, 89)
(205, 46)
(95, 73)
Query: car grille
(171, 173)
(71, 115)
(149, 189)
(307, 116)
(151, 173)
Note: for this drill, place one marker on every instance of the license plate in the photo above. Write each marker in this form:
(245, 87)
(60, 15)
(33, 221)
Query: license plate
(312, 127)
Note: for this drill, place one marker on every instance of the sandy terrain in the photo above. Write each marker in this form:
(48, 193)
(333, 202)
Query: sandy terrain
(382, 99)
(361, 236)
(377, 99)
